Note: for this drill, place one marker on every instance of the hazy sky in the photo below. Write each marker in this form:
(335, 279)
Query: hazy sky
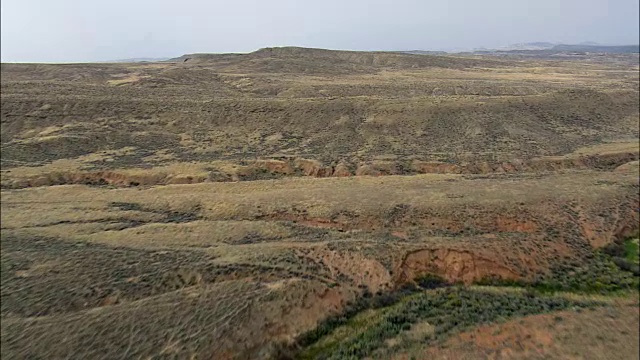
(91, 30)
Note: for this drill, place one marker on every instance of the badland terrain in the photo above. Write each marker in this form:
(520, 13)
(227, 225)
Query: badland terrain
(317, 204)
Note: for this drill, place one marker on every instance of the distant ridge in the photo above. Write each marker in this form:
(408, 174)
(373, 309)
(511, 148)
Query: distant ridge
(609, 49)
(550, 48)
(387, 57)
(133, 60)
(312, 60)
(530, 46)
(424, 52)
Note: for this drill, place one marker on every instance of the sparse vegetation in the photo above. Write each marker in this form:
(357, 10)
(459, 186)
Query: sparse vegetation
(448, 310)
(624, 253)
(218, 206)
(606, 271)
(600, 274)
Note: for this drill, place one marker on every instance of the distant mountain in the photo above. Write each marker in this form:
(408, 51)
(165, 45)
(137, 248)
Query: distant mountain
(529, 46)
(608, 49)
(423, 52)
(589, 43)
(548, 48)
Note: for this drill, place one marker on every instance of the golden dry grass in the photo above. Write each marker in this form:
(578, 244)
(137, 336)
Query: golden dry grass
(194, 209)
(321, 197)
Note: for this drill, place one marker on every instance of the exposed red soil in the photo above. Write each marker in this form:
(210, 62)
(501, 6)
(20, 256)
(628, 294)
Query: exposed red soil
(453, 266)
(341, 170)
(314, 168)
(113, 178)
(499, 243)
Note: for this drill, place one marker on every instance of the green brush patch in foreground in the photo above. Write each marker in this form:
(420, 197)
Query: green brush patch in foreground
(631, 250)
(613, 269)
(624, 253)
(447, 310)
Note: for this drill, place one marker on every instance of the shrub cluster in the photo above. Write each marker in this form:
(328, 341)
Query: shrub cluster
(448, 309)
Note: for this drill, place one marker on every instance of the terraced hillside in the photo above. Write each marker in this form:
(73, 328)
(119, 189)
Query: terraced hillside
(307, 203)
(399, 113)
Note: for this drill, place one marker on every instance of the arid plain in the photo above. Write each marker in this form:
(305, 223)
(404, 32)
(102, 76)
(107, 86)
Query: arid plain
(308, 203)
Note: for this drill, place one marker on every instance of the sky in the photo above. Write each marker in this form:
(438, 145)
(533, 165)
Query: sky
(94, 30)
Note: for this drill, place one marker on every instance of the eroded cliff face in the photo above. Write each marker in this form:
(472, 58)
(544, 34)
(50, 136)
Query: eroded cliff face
(453, 266)
(497, 244)
(272, 168)
(473, 243)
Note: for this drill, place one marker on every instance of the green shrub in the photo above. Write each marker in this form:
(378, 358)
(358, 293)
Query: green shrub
(431, 281)
(601, 274)
(448, 309)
